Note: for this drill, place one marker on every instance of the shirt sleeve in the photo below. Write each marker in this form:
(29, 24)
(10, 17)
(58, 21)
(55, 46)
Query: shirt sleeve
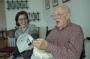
(16, 34)
(72, 51)
(33, 27)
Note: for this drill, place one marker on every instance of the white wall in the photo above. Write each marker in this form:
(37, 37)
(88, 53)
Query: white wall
(80, 11)
(85, 16)
(80, 14)
(75, 11)
(34, 6)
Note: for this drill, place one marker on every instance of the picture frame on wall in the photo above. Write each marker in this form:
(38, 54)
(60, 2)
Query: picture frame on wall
(14, 4)
(47, 4)
(10, 5)
(22, 4)
(64, 1)
(19, 4)
(54, 3)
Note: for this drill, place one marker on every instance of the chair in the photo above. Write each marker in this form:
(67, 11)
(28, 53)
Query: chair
(47, 31)
(83, 51)
(7, 49)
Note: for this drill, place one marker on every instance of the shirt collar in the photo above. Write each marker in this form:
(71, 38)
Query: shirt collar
(20, 29)
(63, 27)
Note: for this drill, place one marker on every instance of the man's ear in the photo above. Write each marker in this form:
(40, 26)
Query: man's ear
(68, 16)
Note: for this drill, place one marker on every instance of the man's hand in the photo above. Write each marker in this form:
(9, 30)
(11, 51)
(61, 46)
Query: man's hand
(40, 43)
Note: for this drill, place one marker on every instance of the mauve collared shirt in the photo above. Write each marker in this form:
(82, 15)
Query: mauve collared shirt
(66, 43)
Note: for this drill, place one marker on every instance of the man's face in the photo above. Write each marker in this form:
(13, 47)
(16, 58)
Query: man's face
(60, 17)
(22, 20)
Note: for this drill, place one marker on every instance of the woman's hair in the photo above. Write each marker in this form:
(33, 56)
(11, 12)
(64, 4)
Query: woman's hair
(21, 13)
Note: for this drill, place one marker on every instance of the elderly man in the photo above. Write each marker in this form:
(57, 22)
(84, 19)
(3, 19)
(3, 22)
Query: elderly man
(65, 41)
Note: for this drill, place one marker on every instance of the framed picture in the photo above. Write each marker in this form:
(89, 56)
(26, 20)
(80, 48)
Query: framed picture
(65, 1)
(10, 4)
(14, 4)
(24, 4)
(19, 3)
(47, 4)
(54, 3)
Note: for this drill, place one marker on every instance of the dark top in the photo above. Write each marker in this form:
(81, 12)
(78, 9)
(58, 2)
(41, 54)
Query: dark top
(32, 30)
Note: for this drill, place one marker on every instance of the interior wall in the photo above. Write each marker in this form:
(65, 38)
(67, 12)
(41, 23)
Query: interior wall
(75, 11)
(85, 16)
(2, 15)
(34, 6)
(79, 14)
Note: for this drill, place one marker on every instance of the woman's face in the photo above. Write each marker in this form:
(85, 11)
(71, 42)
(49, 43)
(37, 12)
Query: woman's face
(23, 21)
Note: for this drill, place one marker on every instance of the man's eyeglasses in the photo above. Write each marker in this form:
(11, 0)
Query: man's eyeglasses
(58, 15)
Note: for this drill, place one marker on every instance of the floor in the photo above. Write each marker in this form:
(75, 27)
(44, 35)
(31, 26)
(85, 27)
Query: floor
(3, 54)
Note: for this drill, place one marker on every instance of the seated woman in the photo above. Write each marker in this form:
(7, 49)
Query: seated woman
(22, 22)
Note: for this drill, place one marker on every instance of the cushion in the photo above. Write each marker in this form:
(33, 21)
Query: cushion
(7, 49)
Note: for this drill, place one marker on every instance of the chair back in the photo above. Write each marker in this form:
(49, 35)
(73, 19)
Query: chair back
(83, 51)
